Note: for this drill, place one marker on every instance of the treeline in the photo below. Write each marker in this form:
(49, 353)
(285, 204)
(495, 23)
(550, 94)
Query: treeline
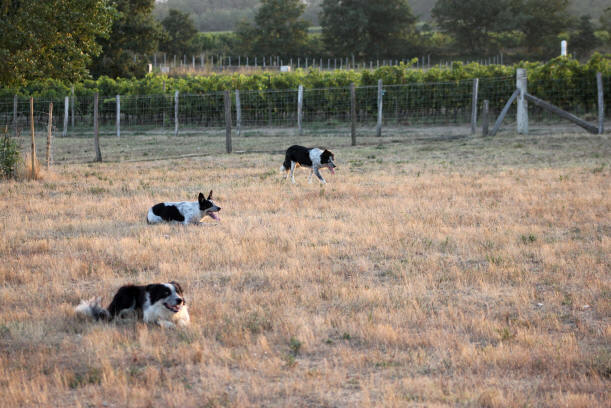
(560, 71)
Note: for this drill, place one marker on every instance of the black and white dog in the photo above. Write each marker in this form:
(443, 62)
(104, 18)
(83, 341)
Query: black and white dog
(185, 212)
(314, 158)
(161, 303)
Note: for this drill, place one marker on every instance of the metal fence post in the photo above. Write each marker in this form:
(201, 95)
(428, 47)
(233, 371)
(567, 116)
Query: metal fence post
(353, 113)
(379, 126)
(118, 115)
(474, 106)
(73, 102)
(521, 84)
(176, 113)
(96, 135)
(15, 101)
(66, 114)
(49, 135)
(33, 138)
(485, 118)
(227, 122)
(238, 112)
(300, 109)
(601, 103)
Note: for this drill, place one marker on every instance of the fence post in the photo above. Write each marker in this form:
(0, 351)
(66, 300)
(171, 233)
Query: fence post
(521, 84)
(300, 109)
(601, 103)
(379, 126)
(227, 122)
(176, 113)
(73, 102)
(49, 135)
(238, 112)
(96, 135)
(353, 113)
(485, 118)
(33, 138)
(15, 101)
(474, 106)
(118, 115)
(66, 114)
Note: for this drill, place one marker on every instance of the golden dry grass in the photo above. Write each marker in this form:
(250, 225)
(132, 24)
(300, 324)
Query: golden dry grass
(447, 273)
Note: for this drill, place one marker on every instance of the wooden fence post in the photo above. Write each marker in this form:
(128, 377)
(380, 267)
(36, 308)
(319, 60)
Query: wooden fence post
(33, 138)
(379, 125)
(474, 106)
(96, 133)
(49, 135)
(66, 115)
(601, 103)
(353, 113)
(300, 109)
(119, 116)
(238, 112)
(521, 84)
(227, 122)
(176, 113)
(499, 120)
(485, 118)
(15, 102)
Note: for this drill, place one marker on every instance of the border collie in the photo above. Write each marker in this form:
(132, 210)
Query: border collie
(161, 303)
(185, 212)
(314, 158)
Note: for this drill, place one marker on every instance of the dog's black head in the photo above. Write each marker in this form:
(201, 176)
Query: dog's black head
(327, 158)
(207, 207)
(168, 293)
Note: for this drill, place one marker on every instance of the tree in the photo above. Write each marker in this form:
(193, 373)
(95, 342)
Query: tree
(471, 22)
(542, 21)
(180, 33)
(584, 40)
(134, 35)
(376, 28)
(50, 39)
(278, 29)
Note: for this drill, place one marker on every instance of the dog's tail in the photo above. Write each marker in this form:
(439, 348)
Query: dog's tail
(91, 309)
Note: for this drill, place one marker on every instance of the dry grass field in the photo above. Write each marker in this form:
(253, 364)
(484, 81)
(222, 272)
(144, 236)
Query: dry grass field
(430, 272)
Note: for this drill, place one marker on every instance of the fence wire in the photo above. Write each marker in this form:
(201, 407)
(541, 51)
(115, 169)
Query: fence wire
(326, 110)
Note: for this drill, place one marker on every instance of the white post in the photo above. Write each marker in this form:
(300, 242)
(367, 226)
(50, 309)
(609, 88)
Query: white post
(563, 48)
(176, 113)
(73, 100)
(118, 115)
(238, 111)
(521, 85)
(300, 108)
(66, 114)
(601, 103)
(379, 126)
(474, 106)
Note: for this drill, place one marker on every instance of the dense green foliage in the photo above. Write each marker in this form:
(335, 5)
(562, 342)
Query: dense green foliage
(278, 29)
(563, 69)
(373, 29)
(180, 34)
(52, 38)
(134, 35)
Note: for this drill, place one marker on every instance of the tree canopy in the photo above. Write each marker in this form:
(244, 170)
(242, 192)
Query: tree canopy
(278, 29)
(134, 35)
(179, 35)
(52, 38)
(374, 28)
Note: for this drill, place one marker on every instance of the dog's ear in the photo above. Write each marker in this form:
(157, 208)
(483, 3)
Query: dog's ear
(201, 198)
(177, 286)
(210, 195)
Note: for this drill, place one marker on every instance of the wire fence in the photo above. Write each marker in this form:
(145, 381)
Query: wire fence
(134, 118)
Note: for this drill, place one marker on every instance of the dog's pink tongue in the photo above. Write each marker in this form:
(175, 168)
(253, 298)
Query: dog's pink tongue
(332, 170)
(214, 216)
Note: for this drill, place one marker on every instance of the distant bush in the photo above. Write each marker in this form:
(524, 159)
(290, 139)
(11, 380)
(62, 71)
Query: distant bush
(9, 155)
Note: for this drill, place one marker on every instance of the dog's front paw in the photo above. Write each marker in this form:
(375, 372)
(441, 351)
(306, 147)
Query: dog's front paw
(166, 325)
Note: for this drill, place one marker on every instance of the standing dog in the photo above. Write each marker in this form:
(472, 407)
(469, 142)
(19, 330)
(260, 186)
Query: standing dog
(161, 303)
(314, 158)
(185, 212)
